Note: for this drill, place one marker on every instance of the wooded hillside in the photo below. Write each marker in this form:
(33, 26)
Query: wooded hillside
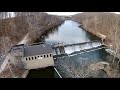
(107, 24)
(13, 29)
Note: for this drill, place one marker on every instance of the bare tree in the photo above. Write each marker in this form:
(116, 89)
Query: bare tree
(70, 69)
(107, 24)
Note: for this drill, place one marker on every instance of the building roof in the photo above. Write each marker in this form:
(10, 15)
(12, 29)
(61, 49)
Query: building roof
(37, 50)
(17, 48)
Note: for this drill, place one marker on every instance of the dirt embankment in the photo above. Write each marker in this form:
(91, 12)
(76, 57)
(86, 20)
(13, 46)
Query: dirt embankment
(25, 25)
(103, 25)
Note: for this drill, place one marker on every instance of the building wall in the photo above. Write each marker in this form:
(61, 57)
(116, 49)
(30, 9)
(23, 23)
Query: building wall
(38, 61)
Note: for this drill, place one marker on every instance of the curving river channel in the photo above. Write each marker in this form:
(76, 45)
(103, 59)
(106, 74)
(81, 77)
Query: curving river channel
(70, 32)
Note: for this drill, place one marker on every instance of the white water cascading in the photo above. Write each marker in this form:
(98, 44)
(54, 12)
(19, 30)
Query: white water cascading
(71, 49)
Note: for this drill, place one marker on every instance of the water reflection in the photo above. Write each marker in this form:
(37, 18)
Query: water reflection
(69, 32)
(79, 63)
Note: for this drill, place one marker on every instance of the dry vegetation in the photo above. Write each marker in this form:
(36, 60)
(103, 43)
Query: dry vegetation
(12, 71)
(87, 68)
(13, 30)
(83, 70)
(107, 24)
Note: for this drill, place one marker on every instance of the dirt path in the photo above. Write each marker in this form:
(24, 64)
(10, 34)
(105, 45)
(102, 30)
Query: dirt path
(24, 40)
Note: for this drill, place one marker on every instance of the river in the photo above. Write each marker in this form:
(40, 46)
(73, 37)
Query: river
(69, 32)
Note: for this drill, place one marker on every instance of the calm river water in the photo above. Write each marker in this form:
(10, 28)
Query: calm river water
(69, 32)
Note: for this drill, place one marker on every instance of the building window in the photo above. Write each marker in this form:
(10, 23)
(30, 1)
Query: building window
(26, 59)
(32, 58)
(50, 55)
(35, 57)
(47, 55)
(41, 55)
(44, 56)
(38, 56)
(29, 58)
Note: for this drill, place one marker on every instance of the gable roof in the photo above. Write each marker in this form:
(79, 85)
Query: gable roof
(37, 50)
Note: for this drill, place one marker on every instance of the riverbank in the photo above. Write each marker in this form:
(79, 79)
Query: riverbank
(72, 65)
(36, 26)
(104, 26)
(100, 35)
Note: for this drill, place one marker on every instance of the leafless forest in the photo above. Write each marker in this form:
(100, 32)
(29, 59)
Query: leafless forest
(107, 24)
(14, 29)
(34, 24)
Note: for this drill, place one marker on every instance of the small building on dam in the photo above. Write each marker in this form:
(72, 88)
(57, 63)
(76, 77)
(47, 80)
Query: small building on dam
(32, 57)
